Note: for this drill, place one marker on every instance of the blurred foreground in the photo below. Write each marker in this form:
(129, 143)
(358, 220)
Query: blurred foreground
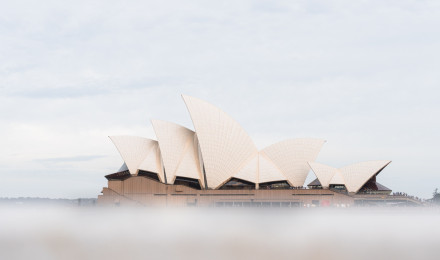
(48, 232)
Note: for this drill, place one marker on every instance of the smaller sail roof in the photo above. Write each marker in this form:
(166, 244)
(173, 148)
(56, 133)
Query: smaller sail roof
(356, 175)
(179, 152)
(323, 172)
(353, 176)
(249, 172)
(337, 179)
(133, 150)
(291, 157)
(153, 162)
(268, 171)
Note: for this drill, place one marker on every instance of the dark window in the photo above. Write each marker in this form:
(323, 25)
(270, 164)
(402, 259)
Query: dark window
(226, 194)
(149, 175)
(275, 185)
(204, 177)
(165, 175)
(189, 182)
(119, 176)
(315, 184)
(373, 187)
(237, 184)
(338, 187)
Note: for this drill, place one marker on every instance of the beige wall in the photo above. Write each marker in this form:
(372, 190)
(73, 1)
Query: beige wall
(147, 192)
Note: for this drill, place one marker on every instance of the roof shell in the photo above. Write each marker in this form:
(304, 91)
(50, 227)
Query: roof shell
(189, 165)
(133, 150)
(153, 162)
(337, 179)
(268, 171)
(323, 172)
(249, 172)
(178, 150)
(224, 144)
(356, 175)
(353, 176)
(292, 156)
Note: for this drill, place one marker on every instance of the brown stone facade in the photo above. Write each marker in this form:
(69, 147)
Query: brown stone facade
(143, 191)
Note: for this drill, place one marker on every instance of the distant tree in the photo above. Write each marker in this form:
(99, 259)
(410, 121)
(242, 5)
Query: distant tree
(436, 197)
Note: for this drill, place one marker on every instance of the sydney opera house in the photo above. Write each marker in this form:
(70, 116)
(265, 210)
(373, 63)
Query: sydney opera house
(219, 165)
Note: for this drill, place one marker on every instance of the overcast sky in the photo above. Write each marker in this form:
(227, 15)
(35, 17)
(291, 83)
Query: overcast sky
(363, 75)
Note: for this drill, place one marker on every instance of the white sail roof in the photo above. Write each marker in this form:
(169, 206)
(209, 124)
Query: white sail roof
(152, 162)
(133, 150)
(356, 175)
(224, 144)
(268, 171)
(353, 176)
(324, 173)
(189, 166)
(249, 172)
(178, 150)
(291, 157)
(337, 178)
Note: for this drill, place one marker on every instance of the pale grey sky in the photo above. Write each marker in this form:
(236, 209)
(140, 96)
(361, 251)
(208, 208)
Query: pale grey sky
(364, 75)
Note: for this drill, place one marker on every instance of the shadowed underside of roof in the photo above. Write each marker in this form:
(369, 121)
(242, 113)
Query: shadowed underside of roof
(371, 185)
(375, 186)
(121, 175)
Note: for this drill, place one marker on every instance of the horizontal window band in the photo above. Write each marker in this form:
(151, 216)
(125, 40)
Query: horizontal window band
(227, 194)
(312, 194)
